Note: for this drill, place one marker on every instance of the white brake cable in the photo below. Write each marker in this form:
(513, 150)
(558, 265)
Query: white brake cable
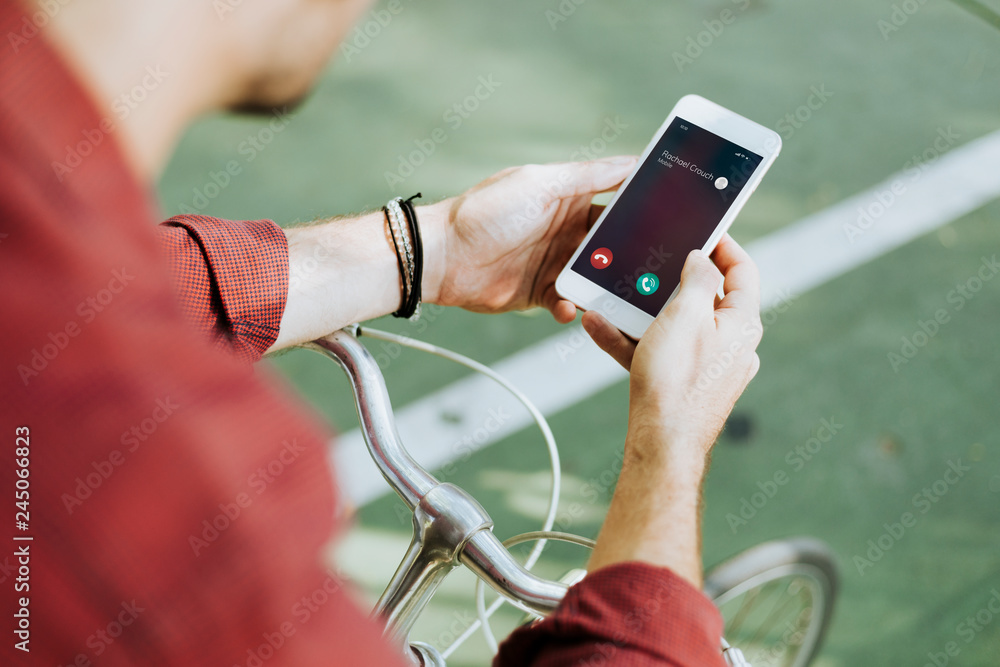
(734, 657)
(550, 442)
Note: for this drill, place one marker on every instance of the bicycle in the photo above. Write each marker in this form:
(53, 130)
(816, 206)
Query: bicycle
(776, 598)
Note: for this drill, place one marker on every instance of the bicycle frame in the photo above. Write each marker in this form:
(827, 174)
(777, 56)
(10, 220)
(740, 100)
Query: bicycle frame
(449, 526)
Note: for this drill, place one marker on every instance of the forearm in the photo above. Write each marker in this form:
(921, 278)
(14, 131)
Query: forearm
(655, 512)
(345, 271)
(641, 603)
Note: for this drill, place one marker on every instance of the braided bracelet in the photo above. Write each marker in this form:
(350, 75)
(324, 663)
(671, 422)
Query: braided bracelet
(401, 219)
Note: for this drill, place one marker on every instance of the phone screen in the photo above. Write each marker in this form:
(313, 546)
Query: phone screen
(672, 205)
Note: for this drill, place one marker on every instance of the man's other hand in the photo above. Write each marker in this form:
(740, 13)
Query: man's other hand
(507, 238)
(697, 356)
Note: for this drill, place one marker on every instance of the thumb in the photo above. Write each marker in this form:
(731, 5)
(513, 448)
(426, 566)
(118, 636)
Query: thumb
(589, 178)
(616, 344)
(700, 280)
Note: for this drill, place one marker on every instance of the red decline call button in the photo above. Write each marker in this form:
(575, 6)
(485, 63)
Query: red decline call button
(601, 259)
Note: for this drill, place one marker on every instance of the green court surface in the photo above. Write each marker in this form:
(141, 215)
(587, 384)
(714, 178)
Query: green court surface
(559, 73)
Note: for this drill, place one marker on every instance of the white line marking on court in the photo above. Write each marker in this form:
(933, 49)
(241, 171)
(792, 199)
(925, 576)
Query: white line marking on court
(472, 413)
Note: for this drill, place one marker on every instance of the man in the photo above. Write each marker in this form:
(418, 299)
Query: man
(175, 503)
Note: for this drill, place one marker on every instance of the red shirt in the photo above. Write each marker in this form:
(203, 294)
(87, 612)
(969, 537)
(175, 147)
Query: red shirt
(178, 503)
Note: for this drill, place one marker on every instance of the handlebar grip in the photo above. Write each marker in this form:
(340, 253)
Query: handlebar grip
(485, 555)
(378, 424)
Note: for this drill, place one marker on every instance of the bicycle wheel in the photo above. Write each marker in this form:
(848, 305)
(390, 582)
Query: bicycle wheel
(777, 600)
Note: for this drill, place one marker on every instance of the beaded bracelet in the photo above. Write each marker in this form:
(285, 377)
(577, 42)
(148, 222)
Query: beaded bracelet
(401, 219)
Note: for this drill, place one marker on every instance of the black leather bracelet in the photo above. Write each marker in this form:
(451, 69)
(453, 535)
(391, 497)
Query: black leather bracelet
(397, 244)
(412, 307)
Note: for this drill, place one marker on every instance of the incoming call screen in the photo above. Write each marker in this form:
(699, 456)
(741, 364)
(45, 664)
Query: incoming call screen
(671, 207)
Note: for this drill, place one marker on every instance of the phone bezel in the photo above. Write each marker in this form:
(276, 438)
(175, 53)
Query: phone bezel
(710, 116)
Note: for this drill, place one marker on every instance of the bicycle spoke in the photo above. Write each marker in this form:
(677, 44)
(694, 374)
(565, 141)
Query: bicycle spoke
(769, 622)
(744, 612)
(769, 592)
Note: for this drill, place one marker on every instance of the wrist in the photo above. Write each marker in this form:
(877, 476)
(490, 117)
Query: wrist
(675, 457)
(655, 512)
(339, 272)
(434, 226)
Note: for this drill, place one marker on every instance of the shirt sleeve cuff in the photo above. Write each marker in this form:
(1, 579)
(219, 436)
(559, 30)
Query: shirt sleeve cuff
(246, 264)
(625, 614)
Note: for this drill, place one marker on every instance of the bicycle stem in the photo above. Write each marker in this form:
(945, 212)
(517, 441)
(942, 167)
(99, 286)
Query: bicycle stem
(449, 526)
(443, 522)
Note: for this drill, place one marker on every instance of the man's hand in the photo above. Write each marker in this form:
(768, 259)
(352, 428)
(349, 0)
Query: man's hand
(691, 365)
(698, 356)
(506, 239)
(497, 247)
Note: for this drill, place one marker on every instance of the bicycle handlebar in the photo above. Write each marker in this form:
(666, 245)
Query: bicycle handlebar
(471, 543)
(378, 424)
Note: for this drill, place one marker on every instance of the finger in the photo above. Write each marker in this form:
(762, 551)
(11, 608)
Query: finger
(563, 311)
(699, 286)
(742, 279)
(595, 212)
(608, 338)
(575, 179)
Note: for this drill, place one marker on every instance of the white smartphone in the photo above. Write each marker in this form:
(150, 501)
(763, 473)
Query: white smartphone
(691, 182)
